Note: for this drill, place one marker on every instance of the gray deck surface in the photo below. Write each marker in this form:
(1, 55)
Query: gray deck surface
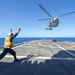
(41, 58)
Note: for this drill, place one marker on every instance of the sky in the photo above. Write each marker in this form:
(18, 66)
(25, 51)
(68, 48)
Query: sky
(25, 14)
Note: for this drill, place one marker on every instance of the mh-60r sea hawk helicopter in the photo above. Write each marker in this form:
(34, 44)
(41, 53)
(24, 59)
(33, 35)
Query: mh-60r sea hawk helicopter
(53, 21)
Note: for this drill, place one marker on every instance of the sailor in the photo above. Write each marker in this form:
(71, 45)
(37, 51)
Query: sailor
(8, 44)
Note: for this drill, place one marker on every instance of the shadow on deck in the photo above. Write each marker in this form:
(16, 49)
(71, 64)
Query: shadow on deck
(48, 67)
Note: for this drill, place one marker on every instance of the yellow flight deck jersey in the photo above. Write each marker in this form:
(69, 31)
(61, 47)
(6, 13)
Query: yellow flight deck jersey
(7, 43)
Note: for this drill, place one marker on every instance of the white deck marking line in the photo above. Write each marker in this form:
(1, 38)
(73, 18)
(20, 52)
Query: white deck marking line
(17, 46)
(43, 45)
(14, 47)
(20, 46)
(64, 49)
(55, 58)
(44, 58)
(58, 47)
(10, 56)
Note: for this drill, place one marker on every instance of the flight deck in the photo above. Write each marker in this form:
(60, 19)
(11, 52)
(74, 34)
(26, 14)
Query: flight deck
(40, 57)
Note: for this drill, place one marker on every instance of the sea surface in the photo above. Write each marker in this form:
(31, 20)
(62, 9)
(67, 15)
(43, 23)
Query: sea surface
(20, 40)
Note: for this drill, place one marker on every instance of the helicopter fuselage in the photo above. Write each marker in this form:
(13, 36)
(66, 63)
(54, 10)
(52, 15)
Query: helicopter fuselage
(53, 22)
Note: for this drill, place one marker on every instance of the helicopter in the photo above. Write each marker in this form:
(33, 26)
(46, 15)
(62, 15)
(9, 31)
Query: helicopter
(53, 21)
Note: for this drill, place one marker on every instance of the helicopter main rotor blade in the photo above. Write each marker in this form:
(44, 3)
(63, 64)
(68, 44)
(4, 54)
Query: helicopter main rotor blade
(67, 14)
(43, 19)
(44, 10)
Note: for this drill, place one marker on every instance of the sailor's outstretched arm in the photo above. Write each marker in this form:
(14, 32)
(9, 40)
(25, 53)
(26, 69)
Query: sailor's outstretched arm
(15, 34)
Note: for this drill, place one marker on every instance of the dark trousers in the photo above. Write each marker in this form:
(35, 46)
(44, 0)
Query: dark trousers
(8, 50)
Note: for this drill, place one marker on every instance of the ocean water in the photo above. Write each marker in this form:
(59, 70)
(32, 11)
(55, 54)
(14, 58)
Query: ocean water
(20, 40)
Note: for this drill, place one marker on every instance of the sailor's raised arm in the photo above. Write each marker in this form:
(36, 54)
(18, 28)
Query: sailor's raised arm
(15, 34)
(10, 30)
(19, 30)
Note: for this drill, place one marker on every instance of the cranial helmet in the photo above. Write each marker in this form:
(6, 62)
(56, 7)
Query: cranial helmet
(10, 34)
